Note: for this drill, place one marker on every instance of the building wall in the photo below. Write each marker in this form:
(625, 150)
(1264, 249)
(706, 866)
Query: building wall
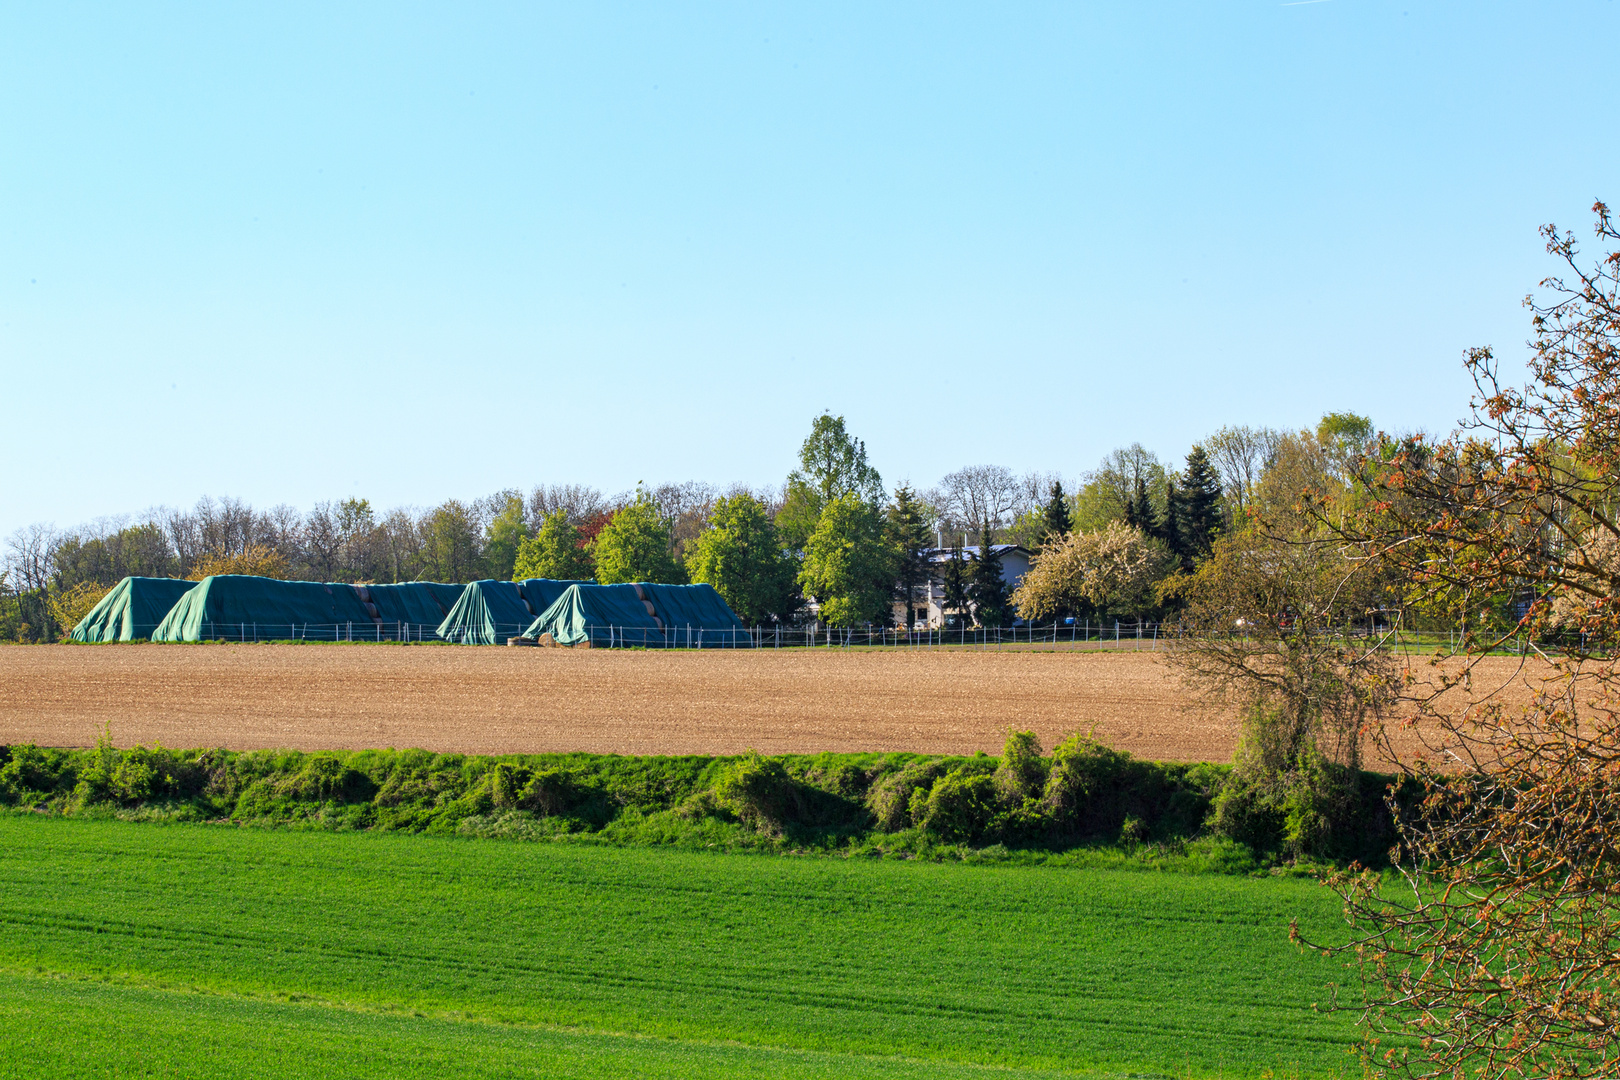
(1014, 565)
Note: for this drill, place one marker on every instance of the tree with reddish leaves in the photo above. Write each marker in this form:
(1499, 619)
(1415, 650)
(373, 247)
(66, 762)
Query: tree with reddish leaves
(1497, 952)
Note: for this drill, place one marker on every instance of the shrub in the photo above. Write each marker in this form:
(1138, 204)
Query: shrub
(759, 790)
(1022, 773)
(846, 779)
(506, 784)
(1320, 810)
(417, 776)
(325, 778)
(257, 800)
(69, 607)
(1083, 788)
(28, 771)
(890, 799)
(831, 802)
(958, 807)
(137, 775)
(699, 805)
(553, 792)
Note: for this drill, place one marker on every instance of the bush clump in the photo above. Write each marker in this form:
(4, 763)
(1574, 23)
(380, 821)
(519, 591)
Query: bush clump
(1023, 769)
(1021, 804)
(959, 807)
(760, 791)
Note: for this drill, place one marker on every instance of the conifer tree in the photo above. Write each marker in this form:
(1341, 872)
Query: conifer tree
(1199, 520)
(988, 588)
(955, 580)
(906, 530)
(1140, 512)
(1169, 532)
(1056, 515)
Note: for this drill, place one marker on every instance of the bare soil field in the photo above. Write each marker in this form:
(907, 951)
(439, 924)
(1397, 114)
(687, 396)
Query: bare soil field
(499, 700)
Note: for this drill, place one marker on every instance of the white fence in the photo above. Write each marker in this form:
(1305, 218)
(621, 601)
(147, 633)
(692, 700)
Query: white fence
(1115, 634)
(343, 631)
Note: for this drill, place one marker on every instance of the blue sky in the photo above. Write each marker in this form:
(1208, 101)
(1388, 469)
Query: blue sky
(307, 252)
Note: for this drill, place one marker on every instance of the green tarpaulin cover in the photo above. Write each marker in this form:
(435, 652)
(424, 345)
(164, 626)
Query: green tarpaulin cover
(614, 615)
(695, 606)
(132, 610)
(488, 612)
(418, 603)
(237, 606)
(601, 614)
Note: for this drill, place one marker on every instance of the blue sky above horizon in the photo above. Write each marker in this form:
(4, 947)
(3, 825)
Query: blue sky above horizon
(308, 252)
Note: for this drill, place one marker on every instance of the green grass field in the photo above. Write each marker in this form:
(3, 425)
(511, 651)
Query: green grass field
(145, 950)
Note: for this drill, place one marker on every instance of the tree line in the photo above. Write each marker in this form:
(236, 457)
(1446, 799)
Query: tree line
(831, 535)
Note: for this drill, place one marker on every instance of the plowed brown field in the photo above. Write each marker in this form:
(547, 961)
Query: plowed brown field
(500, 700)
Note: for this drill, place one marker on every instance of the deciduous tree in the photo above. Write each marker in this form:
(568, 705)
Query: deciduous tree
(742, 557)
(255, 560)
(1112, 488)
(1240, 455)
(1497, 957)
(139, 550)
(635, 546)
(503, 536)
(970, 496)
(450, 546)
(1113, 569)
(847, 566)
(832, 464)
(557, 551)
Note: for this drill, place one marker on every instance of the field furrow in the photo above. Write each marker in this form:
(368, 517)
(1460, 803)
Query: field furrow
(498, 700)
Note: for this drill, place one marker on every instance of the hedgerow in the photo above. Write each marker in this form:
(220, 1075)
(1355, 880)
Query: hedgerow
(1024, 804)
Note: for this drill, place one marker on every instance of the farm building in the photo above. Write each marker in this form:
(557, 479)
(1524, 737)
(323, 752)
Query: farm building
(239, 607)
(656, 616)
(133, 609)
(927, 602)
(488, 612)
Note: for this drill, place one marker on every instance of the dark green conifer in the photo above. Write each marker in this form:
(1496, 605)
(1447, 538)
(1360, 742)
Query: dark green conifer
(1170, 526)
(1140, 512)
(1056, 514)
(988, 589)
(1200, 519)
(955, 580)
(907, 532)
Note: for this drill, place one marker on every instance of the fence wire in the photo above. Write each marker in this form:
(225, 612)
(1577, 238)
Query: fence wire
(1117, 634)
